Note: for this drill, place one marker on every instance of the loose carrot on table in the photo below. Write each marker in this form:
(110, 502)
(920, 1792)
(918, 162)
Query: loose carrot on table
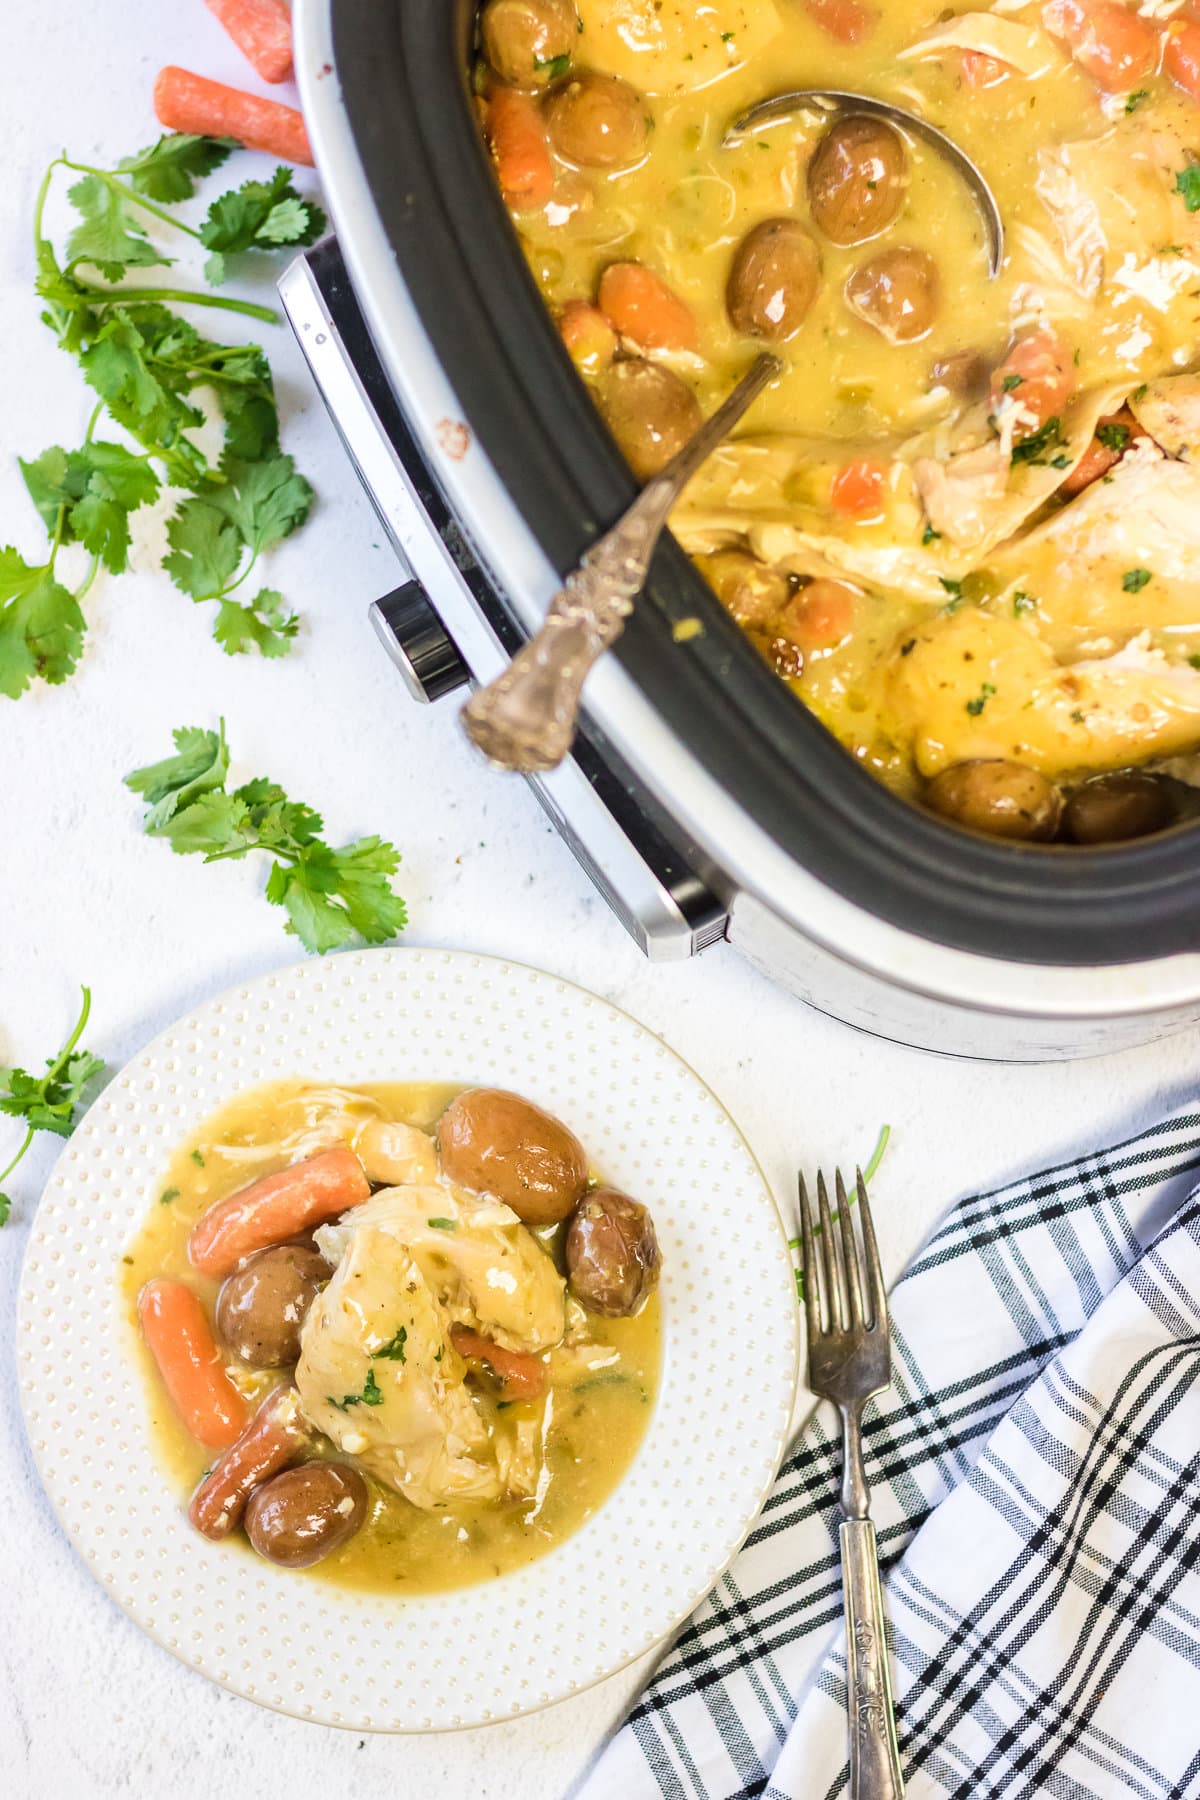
(519, 148)
(273, 1438)
(521, 1376)
(187, 102)
(179, 1338)
(639, 304)
(277, 1207)
(262, 31)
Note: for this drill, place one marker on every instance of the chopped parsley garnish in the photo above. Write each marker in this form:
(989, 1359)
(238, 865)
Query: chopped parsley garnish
(1113, 437)
(1078, 717)
(393, 1350)
(553, 65)
(930, 536)
(1134, 100)
(197, 1159)
(1036, 447)
(1134, 580)
(167, 1195)
(953, 588)
(1194, 662)
(48, 1102)
(1023, 602)
(976, 706)
(442, 1224)
(1012, 382)
(1187, 186)
(372, 1395)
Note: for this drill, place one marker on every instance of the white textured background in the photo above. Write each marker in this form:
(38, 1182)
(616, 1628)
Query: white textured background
(88, 1707)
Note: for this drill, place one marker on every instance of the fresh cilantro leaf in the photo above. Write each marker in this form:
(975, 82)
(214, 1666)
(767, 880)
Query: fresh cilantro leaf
(557, 66)
(393, 1350)
(329, 894)
(372, 1395)
(442, 1224)
(1113, 437)
(1134, 580)
(1187, 186)
(170, 169)
(1023, 602)
(109, 236)
(41, 625)
(1134, 100)
(200, 766)
(1035, 447)
(259, 215)
(976, 706)
(266, 501)
(130, 362)
(953, 588)
(197, 1159)
(1012, 382)
(206, 549)
(96, 487)
(930, 536)
(167, 1195)
(48, 1102)
(264, 625)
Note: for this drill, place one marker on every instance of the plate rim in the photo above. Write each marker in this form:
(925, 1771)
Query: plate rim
(248, 991)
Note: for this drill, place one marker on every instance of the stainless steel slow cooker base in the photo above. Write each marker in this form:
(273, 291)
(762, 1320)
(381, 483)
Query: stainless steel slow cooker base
(832, 892)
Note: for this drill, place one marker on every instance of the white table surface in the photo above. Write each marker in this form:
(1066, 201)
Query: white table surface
(88, 1706)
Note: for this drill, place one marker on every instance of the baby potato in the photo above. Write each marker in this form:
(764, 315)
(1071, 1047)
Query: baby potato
(1005, 799)
(651, 411)
(306, 1513)
(612, 1253)
(896, 292)
(856, 179)
(529, 42)
(262, 1306)
(497, 1143)
(597, 121)
(1114, 808)
(774, 280)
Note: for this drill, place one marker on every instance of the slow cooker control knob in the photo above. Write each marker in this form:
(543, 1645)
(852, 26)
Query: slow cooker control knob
(418, 643)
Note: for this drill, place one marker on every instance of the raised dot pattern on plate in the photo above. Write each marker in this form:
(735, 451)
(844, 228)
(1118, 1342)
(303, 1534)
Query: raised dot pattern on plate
(635, 1569)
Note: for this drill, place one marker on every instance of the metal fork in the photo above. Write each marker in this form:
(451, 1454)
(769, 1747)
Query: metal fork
(849, 1360)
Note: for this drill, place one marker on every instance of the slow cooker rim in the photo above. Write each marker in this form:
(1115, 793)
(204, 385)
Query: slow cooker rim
(460, 259)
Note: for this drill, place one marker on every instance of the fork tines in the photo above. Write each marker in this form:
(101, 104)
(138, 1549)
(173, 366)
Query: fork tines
(844, 1294)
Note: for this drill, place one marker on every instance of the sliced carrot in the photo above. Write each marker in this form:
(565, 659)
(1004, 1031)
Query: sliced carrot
(820, 615)
(1181, 55)
(521, 1376)
(1110, 42)
(1039, 374)
(588, 336)
(519, 148)
(187, 102)
(262, 31)
(980, 71)
(277, 1207)
(1100, 455)
(846, 21)
(273, 1438)
(857, 490)
(639, 304)
(180, 1340)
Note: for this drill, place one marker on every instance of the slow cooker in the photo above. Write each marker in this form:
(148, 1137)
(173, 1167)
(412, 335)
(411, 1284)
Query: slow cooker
(704, 799)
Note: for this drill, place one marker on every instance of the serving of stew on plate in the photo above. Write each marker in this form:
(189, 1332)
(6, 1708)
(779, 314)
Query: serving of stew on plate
(964, 523)
(399, 1334)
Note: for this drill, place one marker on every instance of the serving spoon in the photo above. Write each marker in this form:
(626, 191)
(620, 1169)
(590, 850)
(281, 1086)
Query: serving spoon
(526, 719)
(831, 102)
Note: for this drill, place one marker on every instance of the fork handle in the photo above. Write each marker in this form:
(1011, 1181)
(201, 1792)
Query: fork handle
(874, 1755)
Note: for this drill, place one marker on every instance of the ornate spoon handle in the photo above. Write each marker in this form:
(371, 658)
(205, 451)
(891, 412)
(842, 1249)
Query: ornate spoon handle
(526, 719)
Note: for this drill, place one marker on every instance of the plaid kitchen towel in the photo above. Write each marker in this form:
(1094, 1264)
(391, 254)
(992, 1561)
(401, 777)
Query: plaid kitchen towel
(1046, 1620)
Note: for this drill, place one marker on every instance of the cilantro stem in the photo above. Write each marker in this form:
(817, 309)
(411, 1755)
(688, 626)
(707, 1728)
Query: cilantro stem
(877, 1155)
(93, 421)
(25, 1143)
(85, 584)
(129, 193)
(125, 296)
(55, 1070)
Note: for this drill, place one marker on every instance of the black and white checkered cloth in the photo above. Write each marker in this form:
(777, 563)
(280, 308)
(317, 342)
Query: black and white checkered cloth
(1035, 1475)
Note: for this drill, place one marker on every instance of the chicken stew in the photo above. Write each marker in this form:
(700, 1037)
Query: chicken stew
(395, 1333)
(963, 523)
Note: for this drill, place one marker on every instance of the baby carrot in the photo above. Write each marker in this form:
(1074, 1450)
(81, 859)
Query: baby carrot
(519, 148)
(271, 1440)
(1181, 55)
(588, 336)
(857, 490)
(187, 102)
(639, 304)
(179, 1339)
(262, 31)
(521, 1376)
(277, 1207)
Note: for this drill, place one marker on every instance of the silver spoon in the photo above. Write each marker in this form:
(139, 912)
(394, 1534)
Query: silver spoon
(526, 719)
(832, 101)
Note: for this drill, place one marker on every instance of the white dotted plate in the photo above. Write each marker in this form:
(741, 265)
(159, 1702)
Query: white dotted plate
(639, 1566)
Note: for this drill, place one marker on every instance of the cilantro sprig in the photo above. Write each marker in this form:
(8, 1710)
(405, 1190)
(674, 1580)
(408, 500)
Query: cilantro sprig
(330, 896)
(48, 1102)
(152, 372)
